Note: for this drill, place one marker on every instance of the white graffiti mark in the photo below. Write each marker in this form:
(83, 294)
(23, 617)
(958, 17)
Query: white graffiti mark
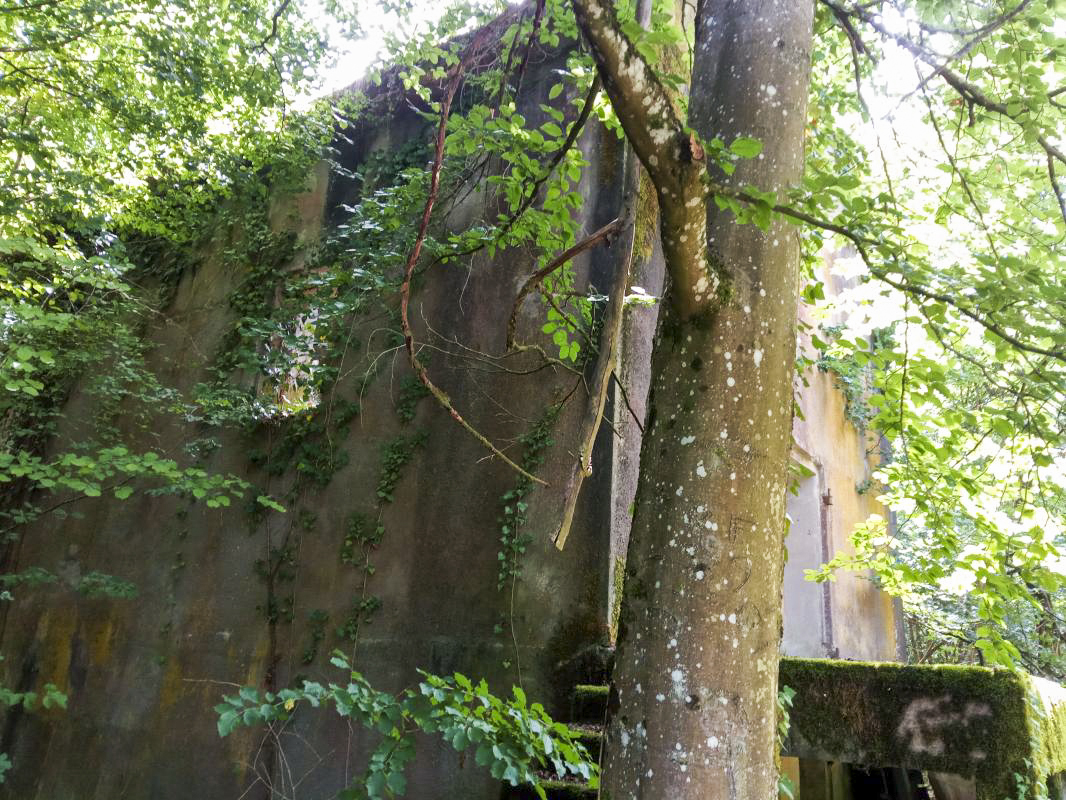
(927, 722)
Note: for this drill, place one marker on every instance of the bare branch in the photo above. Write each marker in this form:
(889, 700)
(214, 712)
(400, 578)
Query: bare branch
(534, 280)
(610, 335)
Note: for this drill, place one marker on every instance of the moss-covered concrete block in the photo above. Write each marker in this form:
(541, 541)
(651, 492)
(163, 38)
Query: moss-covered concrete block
(589, 704)
(588, 735)
(1050, 721)
(1004, 729)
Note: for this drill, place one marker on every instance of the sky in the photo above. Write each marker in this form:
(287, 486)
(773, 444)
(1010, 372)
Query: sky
(354, 58)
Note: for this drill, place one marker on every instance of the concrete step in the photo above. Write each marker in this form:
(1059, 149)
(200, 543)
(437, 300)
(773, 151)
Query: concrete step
(589, 704)
(588, 710)
(589, 734)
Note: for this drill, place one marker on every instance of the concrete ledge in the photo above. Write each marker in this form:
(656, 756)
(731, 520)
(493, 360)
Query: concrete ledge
(1006, 730)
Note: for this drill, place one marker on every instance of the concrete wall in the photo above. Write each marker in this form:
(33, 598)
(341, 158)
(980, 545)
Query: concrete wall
(849, 618)
(143, 675)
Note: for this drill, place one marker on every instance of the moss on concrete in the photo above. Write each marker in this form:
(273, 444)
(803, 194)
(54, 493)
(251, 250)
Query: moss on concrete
(991, 725)
(1048, 720)
(1006, 730)
(589, 703)
(555, 790)
(561, 790)
(589, 689)
(589, 735)
(618, 581)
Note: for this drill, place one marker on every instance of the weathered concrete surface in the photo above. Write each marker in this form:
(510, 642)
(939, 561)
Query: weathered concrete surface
(821, 780)
(629, 410)
(143, 675)
(1004, 730)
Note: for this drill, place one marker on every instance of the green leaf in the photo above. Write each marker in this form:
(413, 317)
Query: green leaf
(460, 740)
(269, 502)
(397, 783)
(746, 147)
(375, 784)
(227, 721)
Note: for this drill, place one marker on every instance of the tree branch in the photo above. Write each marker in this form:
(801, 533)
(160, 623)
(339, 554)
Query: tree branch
(530, 195)
(862, 245)
(996, 22)
(534, 280)
(969, 91)
(640, 100)
(671, 154)
(610, 335)
(412, 259)
(58, 505)
(274, 23)
(1053, 178)
(558, 156)
(537, 17)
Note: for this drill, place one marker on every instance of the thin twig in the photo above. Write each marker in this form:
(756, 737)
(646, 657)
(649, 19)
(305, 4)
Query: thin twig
(629, 406)
(56, 506)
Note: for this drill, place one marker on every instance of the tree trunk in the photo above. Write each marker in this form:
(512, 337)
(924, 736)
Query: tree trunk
(693, 701)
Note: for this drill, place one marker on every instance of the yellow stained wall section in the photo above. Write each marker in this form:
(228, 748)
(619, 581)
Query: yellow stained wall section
(863, 617)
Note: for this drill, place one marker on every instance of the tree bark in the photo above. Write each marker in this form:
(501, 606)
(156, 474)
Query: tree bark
(693, 700)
